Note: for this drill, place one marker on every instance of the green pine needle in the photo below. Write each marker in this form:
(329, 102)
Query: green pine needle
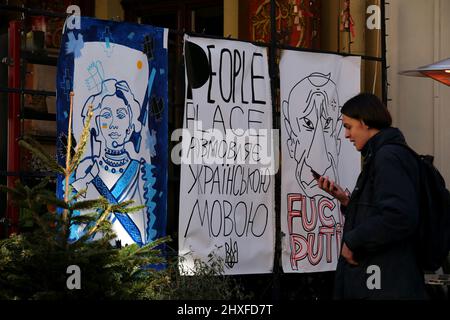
(81, 146)
(32, 145)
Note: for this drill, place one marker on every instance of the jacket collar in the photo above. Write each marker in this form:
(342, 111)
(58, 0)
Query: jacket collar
(383, 137)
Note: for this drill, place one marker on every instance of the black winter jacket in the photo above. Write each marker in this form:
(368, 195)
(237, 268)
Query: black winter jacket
(380, 225)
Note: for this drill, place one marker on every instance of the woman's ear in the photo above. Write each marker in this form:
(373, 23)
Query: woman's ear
(364, 124)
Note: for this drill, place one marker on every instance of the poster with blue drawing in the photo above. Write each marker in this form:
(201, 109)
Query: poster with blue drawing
(120, 69)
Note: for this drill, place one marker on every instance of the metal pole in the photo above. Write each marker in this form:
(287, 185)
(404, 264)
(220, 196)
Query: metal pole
(273, 86)
(13, 162)
(384, 83)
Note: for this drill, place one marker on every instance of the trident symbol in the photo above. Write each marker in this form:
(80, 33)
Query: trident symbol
(231, 254)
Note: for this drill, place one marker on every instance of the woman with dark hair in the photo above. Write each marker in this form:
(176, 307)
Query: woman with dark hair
(378, 254)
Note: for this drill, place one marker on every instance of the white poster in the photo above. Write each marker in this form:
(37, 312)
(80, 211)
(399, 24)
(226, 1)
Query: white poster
(227, 181)
(119, 71)
(313, 89)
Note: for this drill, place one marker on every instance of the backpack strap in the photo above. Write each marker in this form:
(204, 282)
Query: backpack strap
(426, 157)
(404, 145)
(366, 175)
(367, 172)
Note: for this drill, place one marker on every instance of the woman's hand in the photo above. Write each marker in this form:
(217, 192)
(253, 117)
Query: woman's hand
(333, 189)
(348, 255)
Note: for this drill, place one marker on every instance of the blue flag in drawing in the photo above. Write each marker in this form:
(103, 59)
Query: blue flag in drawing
(119, 70)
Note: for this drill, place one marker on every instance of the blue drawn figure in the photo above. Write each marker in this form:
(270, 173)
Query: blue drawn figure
(96, 76)
(114, 169)
(109, 42)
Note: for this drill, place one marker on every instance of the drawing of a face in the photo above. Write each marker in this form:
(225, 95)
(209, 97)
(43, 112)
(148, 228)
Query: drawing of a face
(114, 121)
(313, 124)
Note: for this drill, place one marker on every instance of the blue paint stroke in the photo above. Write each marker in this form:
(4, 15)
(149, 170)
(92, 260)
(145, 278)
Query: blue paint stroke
(66, 84)
(131, 36)
(150, 81)
(149, 193)
(108, 39)
(151, 142)
(74, 45)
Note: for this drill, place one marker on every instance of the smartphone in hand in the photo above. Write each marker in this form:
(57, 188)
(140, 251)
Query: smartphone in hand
(317, 176)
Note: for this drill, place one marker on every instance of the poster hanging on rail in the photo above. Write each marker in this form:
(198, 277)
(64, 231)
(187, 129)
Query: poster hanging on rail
(227, 183)
(120, 69)
(313, 88)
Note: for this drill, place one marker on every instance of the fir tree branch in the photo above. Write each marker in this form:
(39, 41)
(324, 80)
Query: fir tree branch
(81, 146)
(88, 204)
(129, 210)
(65, 223)
(14, 193)
(81, 193)
(104, 216)
(50, 198)
(34, 146)
(84, 218)
(150, 247)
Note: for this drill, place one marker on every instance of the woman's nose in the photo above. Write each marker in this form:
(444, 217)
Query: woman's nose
(347, 134)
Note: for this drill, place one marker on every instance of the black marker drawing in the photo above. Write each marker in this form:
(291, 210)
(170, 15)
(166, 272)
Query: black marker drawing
(231, 253)
(226, 203)
(313, 124)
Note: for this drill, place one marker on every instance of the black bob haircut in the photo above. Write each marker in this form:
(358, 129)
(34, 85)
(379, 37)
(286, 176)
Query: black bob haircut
(368, 108)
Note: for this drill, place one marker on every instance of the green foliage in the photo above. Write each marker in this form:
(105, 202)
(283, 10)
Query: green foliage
(207, 283)
(75, 161)
(33, 264)
(48, 161)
